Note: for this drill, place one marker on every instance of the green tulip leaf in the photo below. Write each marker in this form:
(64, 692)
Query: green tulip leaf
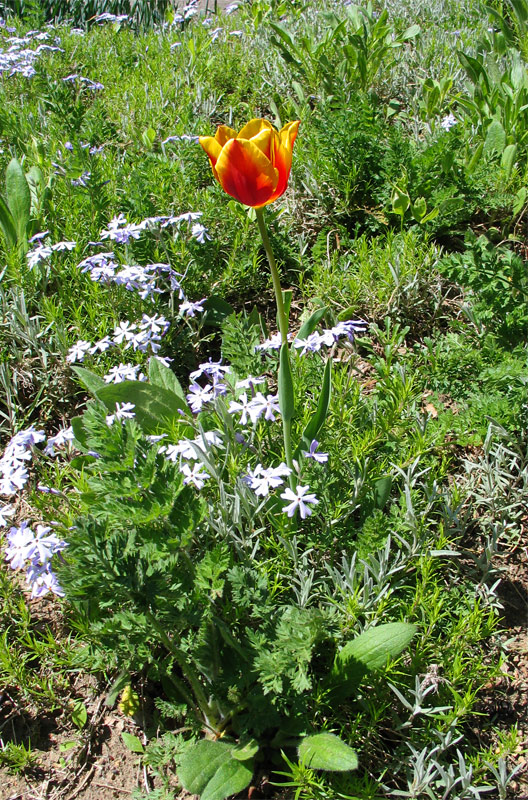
(311, 323)
(495, 141)
(319, 416)
(286, 395)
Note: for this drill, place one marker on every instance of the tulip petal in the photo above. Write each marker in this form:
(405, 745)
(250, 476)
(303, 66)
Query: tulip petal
(245, 173)
(211, 147)
(263, 141)
(223, 134)
(253, 128)
(288, 134)
(282, 157)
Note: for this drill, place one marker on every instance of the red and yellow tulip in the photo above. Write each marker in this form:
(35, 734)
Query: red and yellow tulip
(253, 166)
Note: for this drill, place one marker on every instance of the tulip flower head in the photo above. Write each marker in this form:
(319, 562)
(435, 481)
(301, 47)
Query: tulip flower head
(253, 166)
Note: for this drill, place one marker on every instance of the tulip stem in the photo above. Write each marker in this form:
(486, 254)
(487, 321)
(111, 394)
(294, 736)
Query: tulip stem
(281, 312)
(283, 326)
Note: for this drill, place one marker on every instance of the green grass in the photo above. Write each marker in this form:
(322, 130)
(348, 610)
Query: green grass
(399, 533)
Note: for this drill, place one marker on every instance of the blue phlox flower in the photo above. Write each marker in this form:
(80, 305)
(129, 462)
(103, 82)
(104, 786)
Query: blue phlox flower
(320, 457)
(269, 406)
(300, 500)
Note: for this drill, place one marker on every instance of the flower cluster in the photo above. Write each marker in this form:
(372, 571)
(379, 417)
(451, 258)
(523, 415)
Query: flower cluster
(94, 86)
(20, 59)
(185, 137)
(24, 547)
(141, 336)
(104, 267)
(121, 231)
(107, 17)
(448, 122)
(34, 552)
(188, 11)
(43, 251)
(124, 372)
(19, 451)
(315, 341)
(262, 481)
(199, 395)
(255, 407)
(13, 472)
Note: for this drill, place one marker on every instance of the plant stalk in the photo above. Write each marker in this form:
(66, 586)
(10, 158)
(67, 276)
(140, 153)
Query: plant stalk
(281, 312)
(283, 327)
(187, 670)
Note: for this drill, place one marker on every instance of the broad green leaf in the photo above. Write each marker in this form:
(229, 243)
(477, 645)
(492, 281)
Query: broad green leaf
(18, 199)
(382, 489)
(327, 751)
(231, 778)
(91, 382)
(65, 746)
(475, 158)
(495, 138)
(122, 680)
(400, 200)
(79, 431)
(474, 69)
(245, 750)
(318, 418)
(431, 215)
(160, 375)
(419, 209)
(132, 742)
(287, 39)
(148, 136)
(209, 770)
(368, 651)
(520, 200)
(7, 224)
(155, 408)
(410, 33)
(508, 159)
(287, 295)
(311, 323)
(79, 714)
(35, 180)
(216, 311)
(286, 395)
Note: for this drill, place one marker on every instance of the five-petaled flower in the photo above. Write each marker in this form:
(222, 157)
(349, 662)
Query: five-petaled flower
(298, 499)
(253, 166)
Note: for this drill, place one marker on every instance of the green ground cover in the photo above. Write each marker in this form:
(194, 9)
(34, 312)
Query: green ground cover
(234, 638)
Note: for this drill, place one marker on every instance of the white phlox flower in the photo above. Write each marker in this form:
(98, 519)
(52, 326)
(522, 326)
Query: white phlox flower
(194, 474)
(299, 500)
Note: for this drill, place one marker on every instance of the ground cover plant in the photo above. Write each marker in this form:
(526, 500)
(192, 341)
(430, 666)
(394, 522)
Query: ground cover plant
(264, 408)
